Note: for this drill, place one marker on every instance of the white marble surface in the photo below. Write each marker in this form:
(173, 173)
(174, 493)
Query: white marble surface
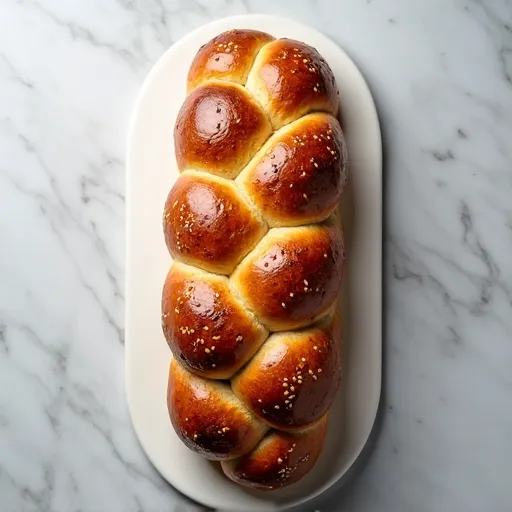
(441, 72)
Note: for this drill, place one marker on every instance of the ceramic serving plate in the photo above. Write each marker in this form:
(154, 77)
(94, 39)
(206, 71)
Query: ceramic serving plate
(151, 172)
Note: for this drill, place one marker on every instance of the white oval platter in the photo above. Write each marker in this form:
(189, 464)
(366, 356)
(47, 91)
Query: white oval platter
(151, 172)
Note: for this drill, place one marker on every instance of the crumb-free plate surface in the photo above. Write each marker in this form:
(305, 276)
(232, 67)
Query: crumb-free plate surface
(151, 172)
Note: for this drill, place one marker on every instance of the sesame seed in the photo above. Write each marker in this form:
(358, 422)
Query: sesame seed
(315, 347)
(176, 310)
(315, 377)
(276, 406)
(216, 295)
(305, 282)
(213, 347)
(287, 401)
(319, 370)
(305, 196)
(175, 203)
(291, 396)
(286, 393)
(186, 419)
(285, 384)
(303, 174)
(292, 388)
(315, 89)
(215, 337)
(285, 379)
(205, 328)
(304, 60)
(303, 359)
(300, 382)
(259, 400)
(279, 460)
(283, 304)
(195, 436)
(310, 372)
(316, 165)
(214, 366)
(192, 331)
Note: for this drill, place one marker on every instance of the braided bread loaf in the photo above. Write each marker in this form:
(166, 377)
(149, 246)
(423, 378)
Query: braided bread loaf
(249, 304)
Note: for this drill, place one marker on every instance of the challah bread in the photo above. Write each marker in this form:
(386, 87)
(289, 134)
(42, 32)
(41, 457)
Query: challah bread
(290, 79)
(208, 328)
(209, 418)
(280, 459)
(296, 177)
(219, 128)
(202, 210)
(249, 306)
(293, 275)
(292, 380)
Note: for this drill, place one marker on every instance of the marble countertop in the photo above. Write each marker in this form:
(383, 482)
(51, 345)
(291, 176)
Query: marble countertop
(441, 73)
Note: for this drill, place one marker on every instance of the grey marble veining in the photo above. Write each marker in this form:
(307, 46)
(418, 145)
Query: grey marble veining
(441, 73)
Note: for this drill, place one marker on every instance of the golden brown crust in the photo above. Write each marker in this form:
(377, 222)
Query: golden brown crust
(206, 327)
(233, 280)
(208, 418)
(292, 381)
(229, 56)
(300, 173)
(219, 128)
(293, 276)
(280, 459)
(290, 79)
(208, 224)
